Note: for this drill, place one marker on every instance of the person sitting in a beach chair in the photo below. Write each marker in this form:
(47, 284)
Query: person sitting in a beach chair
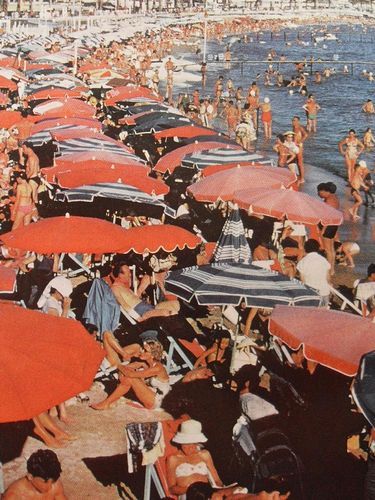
(132, 303)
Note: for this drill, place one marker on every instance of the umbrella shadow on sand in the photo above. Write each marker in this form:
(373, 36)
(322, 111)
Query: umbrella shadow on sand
(114, 471)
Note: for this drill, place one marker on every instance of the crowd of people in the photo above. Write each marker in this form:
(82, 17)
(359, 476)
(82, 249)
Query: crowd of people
(266, 388)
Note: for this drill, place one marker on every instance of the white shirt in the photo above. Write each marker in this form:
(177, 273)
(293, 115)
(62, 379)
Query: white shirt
(314, 270)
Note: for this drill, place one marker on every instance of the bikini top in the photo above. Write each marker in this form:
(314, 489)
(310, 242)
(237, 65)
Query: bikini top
(185, 469)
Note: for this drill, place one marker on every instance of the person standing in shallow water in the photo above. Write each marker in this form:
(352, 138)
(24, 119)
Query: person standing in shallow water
(312, 108)
(351, 147)
(300, 135)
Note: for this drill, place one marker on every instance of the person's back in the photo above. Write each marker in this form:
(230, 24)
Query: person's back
(314, 269)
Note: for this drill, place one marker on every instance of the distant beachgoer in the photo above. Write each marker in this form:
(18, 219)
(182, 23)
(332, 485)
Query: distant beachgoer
(41, 481)
(351, 147)
(368, 139)
(357, 183)
(266, 117)
(317, 77)
(368, 107)
(24, 204)
(312, 108)
(326, 191)
(253, 105)
(285, 157)
(345, 252)
(366, 175)
(32, 169)
(300, 135)
(227, 57)
(231, 116)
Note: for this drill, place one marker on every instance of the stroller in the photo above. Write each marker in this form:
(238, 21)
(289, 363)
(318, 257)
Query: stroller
(265, 459)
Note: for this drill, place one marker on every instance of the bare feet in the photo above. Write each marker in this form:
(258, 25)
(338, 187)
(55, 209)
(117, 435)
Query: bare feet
(101, 406)
(48, 439)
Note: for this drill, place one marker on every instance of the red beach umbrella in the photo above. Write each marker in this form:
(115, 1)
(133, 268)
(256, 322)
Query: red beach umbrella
(171, 160)
(129, 92)
(5, 83)
(44, 360)
(161, 237)
(184, 131)
(50, 123)
(213, 169)
(294, 205)
(332, 338)
(67, 234)
(8, 118)
(7, 279)
(57, 93)
(224, 185)
(65, 108)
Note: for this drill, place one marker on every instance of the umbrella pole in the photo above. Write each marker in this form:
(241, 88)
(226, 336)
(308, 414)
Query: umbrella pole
(232, 360)
(2, 489)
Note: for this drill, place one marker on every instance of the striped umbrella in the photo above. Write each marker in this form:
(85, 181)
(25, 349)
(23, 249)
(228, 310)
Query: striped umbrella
(114, 191)
(232, 245)
(230, 284)
(203, 159)
(83, 144)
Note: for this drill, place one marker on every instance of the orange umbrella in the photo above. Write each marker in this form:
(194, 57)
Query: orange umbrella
(65, 108)
(162, 237)
(49, 123)
(129, 92)
(57, 93)
(5, 83)
(4, 99)
(294, 205)
(7, 279)
(332, 338)
(92, 66)
(8, 118)
(213, 169)
(122, 175)
(67, 234)
(44, 360)
(171, 160)
(224, 185)
(184, 131)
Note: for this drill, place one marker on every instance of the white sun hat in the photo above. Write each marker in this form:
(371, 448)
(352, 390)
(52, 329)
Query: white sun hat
(190, 432)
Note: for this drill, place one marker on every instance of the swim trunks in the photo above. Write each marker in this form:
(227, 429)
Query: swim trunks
(143, 307)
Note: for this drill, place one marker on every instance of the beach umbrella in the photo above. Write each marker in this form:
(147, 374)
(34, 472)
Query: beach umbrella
(7, 279)
(165, 237)
(294, 205)
(97, 159)
(91, 144)
(129, 92)
(203, 159)
(5, 83)
(4, 99)
(65, 108)
(331, 338)
(184, 131)
(170, 161)
(8, 118)
(51, 123)
(231, 284)
(117, 176)
(224, 185)
(57, 93)
(44, 360)
(46, 135)
(213, 169)
(232, 245)
(69, 234)
(363, 388)
(152, 122)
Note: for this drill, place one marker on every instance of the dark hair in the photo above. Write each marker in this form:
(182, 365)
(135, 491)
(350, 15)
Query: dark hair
(281, 137)
(117, 267)
(311, 246)
(322, 187)
(199, 491)
(371, 269)
(352, 130)
(247, 373)
(331, 187)
(28, 144)
(44, 464)
(24, 113)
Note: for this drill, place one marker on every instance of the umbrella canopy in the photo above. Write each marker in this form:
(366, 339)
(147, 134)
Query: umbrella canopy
(59, 93)
(45, 360)
(160, 237)
(67, 234)
(8, 118)
(363, 389)
(170, 161)
(91, 144)
(213, 169)
(332, 338)
(111, 191)
(51, 123)
(96, 159)
(230, 284)
(65, 108)
(120, 175)
(185, 131)
(46, 135)
(294, 205)
(149, 123)
(232, 245)
(224, 185)
(7, 279)
(5, 83)
(203, 159)
(128, 92)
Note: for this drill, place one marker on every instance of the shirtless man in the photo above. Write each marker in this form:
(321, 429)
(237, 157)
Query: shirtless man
(232, 117)
(41, 481)
(356, 184)
(351, 147)
(169, 66)
(23, 128)
(300, 135)
(368, 107)
(311, 107)
(32, 169)
(130, 301)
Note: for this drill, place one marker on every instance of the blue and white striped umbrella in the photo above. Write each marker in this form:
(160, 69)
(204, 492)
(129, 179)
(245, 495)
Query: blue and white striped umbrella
(45, 136)
(203, 159)
(230, 284)
(232, 245)
(71, 146)
(109, 190)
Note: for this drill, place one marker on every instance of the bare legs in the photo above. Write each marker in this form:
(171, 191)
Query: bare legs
(328, 245)
(115, 353)
(51, 434)
(145, 395)
(357, 203)
(166, 308)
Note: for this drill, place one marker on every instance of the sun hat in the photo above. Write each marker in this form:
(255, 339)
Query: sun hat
(267, 99)
(362, 164)
(289, 132)
(190, 432)
(148, 335)
(59, 283)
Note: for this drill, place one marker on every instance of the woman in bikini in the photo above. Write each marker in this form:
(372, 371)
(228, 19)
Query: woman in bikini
(147, 377)
(351, 147)
(24, 205)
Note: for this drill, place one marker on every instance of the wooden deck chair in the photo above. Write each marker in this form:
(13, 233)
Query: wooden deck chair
(174, 348)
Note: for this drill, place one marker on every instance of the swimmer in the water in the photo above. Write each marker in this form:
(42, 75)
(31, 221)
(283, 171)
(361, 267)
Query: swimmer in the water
(368, 107)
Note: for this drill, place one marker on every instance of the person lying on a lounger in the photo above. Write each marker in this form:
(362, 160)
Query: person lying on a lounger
(131, 303)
